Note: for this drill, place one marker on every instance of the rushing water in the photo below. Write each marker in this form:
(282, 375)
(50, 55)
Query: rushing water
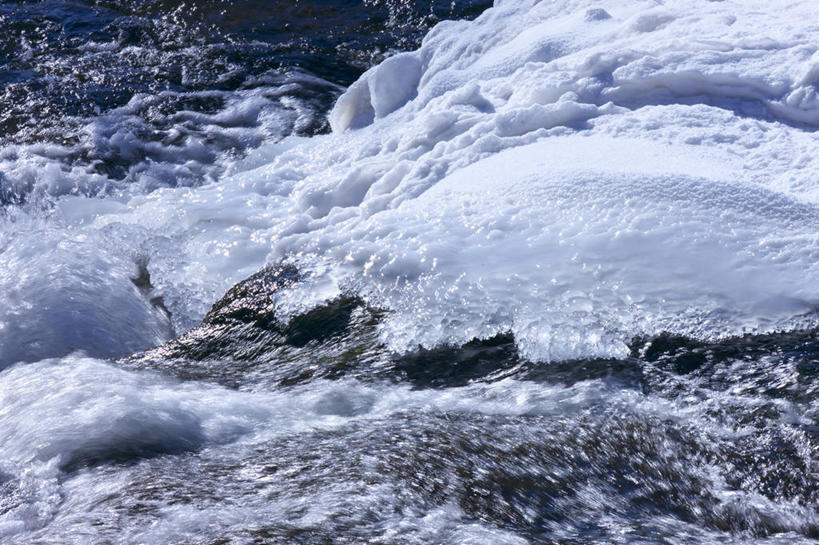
(163, 93)
(551, 279)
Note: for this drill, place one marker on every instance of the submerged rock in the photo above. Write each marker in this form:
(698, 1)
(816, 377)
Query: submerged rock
(523, 460)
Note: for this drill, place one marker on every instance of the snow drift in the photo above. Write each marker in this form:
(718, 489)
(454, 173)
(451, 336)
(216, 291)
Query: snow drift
(574, 173)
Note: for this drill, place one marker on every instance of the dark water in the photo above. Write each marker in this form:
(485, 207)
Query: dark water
(114, 85)
(81, 59)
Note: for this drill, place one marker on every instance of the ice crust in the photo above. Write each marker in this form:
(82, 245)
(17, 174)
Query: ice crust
(574, 172)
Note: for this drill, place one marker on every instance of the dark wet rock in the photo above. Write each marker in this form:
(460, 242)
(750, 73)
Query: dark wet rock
(780, 365)
(243, 338)
(251, 300)
(596, 14)
(143, 282)
(448, 366)
(243, 341)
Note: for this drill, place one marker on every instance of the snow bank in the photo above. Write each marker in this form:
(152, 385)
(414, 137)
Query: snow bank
(754, 57)
(575, 172)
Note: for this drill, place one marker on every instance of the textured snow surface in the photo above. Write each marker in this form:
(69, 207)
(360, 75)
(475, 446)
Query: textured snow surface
(574, 172)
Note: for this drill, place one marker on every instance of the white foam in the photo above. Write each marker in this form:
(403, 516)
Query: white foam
(71, 290)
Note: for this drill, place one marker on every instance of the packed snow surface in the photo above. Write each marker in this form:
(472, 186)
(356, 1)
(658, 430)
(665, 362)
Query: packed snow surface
(576, 173)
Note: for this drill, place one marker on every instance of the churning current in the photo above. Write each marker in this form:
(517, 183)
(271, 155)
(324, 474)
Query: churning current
(409, 272)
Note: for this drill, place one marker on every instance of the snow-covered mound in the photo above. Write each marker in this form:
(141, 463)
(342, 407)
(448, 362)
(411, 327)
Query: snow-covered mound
(574, 172)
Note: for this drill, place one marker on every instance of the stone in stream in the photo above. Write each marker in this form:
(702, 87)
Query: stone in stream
(242, 340)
